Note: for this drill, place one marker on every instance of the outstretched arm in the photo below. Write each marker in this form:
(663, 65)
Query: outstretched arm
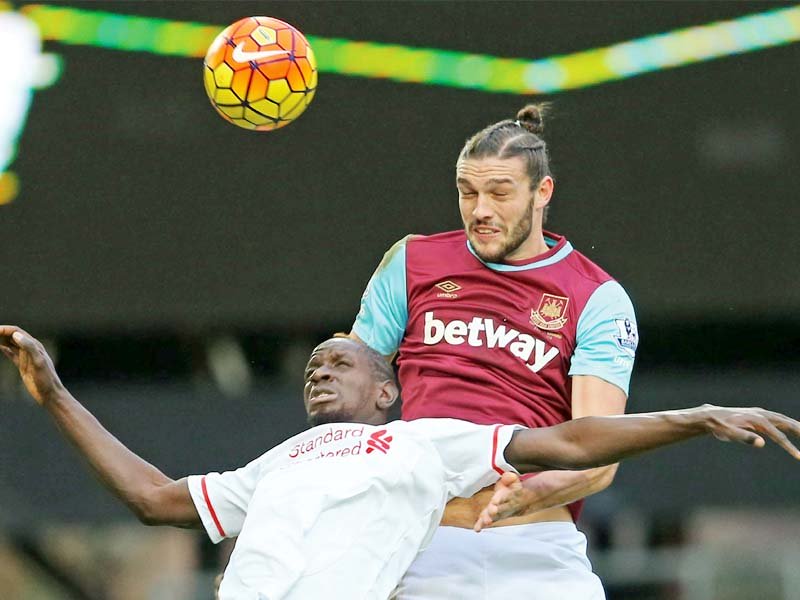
(152, 496)
(593, 441)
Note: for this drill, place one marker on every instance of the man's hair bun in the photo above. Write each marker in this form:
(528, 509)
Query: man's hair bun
(531, 118)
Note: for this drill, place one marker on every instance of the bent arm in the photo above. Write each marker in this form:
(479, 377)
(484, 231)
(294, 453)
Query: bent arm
(591, 396)
(555, 488)
(152, 496)
(600, 369)
(595, 441)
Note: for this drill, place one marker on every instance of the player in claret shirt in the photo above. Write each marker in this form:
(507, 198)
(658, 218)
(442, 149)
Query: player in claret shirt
(341, 510)
(504, 322)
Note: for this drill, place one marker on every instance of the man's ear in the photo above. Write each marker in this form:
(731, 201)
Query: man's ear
(544, 192)
(387, 394)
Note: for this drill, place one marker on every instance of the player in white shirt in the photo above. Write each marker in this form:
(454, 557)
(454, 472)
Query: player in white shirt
(341, 510)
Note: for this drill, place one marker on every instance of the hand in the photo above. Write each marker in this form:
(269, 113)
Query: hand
(509, 500)
(34, 364)
(748, 425)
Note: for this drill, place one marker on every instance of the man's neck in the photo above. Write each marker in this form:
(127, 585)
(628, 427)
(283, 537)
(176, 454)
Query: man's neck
(534, 246)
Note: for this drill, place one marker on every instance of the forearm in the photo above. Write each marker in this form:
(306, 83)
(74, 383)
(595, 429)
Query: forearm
(557, 488)
(596, 441)
(125, 474)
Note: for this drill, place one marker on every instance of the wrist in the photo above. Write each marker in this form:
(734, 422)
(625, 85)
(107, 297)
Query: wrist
(695, 420)
(55, 397)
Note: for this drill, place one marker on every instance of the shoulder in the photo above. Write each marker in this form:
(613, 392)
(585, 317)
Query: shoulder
(578, 276)
(396, 253)
(441, 250)
(571, 265)
(591, 289)
(415, 242)
(586, 269)
(604, 297)
(445, 238)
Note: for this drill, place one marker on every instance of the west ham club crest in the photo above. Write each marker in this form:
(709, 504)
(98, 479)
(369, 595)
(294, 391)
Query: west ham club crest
(551, 314)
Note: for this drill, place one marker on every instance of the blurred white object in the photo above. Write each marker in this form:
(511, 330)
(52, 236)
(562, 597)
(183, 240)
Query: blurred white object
(24, 68)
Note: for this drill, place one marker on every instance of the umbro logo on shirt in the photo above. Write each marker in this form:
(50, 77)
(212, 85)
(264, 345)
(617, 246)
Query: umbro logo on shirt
(378, 441)
(448, 289)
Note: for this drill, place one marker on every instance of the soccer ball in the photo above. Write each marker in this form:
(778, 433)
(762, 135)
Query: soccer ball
(260, 73)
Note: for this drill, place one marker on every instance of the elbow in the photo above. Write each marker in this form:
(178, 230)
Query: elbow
(148, 510)
(145, 513)
(148, 518)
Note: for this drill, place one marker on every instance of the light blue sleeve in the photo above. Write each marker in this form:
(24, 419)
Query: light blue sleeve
(607, 337)
(381, 322)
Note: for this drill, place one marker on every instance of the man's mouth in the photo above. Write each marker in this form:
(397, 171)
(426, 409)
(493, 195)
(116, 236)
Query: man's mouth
(320, 395)
(485, 233)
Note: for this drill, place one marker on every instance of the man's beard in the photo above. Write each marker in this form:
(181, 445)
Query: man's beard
(329, 416)
(519, 235)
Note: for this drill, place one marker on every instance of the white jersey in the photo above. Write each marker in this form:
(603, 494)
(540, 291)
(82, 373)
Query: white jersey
(341, 510)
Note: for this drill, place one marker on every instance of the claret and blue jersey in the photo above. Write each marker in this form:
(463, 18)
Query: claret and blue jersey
(495, 343)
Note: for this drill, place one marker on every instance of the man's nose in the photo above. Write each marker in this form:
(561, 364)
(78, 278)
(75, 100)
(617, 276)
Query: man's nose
(321, 373)
(483, 210)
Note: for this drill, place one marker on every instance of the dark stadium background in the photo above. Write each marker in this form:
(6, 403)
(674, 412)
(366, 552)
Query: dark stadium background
(148, 233)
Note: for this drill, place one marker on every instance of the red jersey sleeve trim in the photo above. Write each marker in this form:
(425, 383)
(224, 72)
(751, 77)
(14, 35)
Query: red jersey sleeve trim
(214, 513)
(494, 452)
